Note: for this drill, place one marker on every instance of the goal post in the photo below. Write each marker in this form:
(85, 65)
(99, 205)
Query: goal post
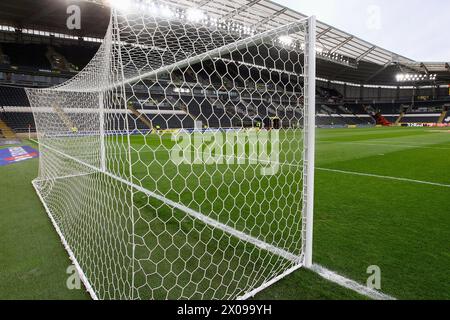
(310, 141)
(159, 167)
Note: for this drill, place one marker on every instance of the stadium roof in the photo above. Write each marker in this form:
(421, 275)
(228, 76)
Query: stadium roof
(343, 57)
(51, 15)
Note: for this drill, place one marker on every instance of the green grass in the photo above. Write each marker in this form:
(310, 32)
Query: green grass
(32, 259)
(359, 221)
(399, 226)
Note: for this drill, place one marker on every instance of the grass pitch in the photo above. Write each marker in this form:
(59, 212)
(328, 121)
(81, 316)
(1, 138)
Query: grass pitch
(364, 216)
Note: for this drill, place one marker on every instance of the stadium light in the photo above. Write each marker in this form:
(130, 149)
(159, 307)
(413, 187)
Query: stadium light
(166, 12)
(195, 15)
(181, 90)
(121, 5)
(286, 40)
(407, 77)
(331, 56)
(319, 50)
(151, 8)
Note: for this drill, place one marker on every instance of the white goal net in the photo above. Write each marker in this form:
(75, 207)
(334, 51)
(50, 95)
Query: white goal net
(179, 163)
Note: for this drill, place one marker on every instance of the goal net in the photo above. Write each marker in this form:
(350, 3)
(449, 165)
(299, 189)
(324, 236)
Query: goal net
(179, 163)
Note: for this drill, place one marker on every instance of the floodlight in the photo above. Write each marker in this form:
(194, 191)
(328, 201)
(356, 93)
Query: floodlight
(195, 15)
(121, 5)
(286, 40)
(166, 12)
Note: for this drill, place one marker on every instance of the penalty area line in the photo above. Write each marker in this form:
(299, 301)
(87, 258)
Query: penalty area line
(436, 184)
(350, 284)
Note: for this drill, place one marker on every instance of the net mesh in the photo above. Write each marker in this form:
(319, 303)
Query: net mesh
(173, 164)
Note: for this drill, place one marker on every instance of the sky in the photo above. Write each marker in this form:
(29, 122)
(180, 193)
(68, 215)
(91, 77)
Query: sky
(417, 29)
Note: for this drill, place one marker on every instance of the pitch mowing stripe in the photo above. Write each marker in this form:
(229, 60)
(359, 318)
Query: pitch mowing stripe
(385, 177)
(350, 284)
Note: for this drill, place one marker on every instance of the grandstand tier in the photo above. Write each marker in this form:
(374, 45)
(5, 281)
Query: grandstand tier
(34, 58)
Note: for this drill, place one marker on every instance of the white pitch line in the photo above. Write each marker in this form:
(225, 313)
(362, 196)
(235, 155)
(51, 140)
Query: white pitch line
(387, 145)
(350, 284)
(385, 177)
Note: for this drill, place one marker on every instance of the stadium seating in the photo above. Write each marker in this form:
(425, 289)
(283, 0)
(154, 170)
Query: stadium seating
(421, 118)
(328, 95)
(39, 56)
(27, 55)
(4, 59)
(253, 106)
(323, 120)
(357, 108)
(381, 120)
(343, 115)
(387, 108)
(79, 56)
(18, 121)
(13, 96)
(170, 121)
(447, 117)
(391, 118)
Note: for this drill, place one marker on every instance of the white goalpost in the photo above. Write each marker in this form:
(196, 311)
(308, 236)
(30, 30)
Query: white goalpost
(179, 164)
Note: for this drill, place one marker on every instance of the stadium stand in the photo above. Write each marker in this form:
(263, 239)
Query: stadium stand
(421, 118)
(178, 109)
(5, 130)
(13, 96)
(27, 55)
(18, 121)
(4, 59)
(15, 109)
(446, 118)
(381, 120)
(78, 56)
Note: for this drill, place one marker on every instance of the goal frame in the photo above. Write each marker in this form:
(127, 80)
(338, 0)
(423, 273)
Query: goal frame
(306, 260)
